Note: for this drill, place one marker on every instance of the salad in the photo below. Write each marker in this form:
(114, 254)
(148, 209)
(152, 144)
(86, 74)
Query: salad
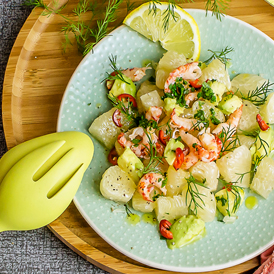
(188, 143)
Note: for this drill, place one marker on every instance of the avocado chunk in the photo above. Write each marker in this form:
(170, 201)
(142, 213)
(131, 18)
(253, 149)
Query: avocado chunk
(186, 230)
(230, 103)
(170, 150)
(227, 202)
(218, 89)
(131, 164)
(120, 87)
(170, 104)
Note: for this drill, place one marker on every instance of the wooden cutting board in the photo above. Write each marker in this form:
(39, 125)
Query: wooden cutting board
(36, 77)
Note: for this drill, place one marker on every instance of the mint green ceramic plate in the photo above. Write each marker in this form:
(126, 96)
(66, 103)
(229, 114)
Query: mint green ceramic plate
(224, 245)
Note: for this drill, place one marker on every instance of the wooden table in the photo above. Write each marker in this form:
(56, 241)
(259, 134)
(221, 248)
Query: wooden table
(36, 77)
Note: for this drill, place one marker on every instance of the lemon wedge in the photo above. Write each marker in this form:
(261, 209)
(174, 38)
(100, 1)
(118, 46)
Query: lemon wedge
(181, 35)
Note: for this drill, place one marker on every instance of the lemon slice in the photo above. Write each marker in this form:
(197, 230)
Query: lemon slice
(182, 35)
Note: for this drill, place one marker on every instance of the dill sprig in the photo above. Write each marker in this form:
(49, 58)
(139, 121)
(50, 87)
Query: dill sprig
(128, 211)
(220, 55)
(86, 36)
(102, 25)
(125, 109)
(195, 195)
(154, 158)
(258, 96)
(47, 9)
(259, 141)
(116, 72)
(218, 7)
(235, 190)
(168, 14)
(256, 159)
(229, 139)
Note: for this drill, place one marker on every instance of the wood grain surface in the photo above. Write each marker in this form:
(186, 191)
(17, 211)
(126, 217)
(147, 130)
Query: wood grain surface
(36, 77)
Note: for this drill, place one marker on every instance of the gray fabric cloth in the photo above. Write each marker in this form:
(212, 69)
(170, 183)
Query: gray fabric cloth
(37, 251)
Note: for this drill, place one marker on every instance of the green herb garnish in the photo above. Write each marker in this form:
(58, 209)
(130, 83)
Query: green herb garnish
(235, 190)
(195, 195)
(207, 93)
(218, 7)
(220, 55)
(214, 120)
(178, 90)
(116, 72)
(127, 110)
(229, 139)
(154, 158)
(259, 95)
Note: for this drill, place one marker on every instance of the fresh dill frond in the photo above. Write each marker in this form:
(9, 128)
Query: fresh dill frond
(220, 55)
(154, 158)
(130, 6)
(168, 14)
(259, 144)
(235, 190)
(259, 96)
(116, 72)
(259, 141)
(195, 196)
(47, 9)
(35, 3)
(125, 109)
(152, 7)
(241, 176)
(229, 139)
(128, 211)
(102, 25)
(218, 7)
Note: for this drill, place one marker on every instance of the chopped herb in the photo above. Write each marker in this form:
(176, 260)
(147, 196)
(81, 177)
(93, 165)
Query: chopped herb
(214, 120)
(136, 142)
(178, 90)
(156, 196)
(222, 200)
(207, 93)
(145, 123)
(200, 116)
(164, 182)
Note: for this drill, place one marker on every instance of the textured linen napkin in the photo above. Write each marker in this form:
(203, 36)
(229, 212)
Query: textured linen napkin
(267, 262)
